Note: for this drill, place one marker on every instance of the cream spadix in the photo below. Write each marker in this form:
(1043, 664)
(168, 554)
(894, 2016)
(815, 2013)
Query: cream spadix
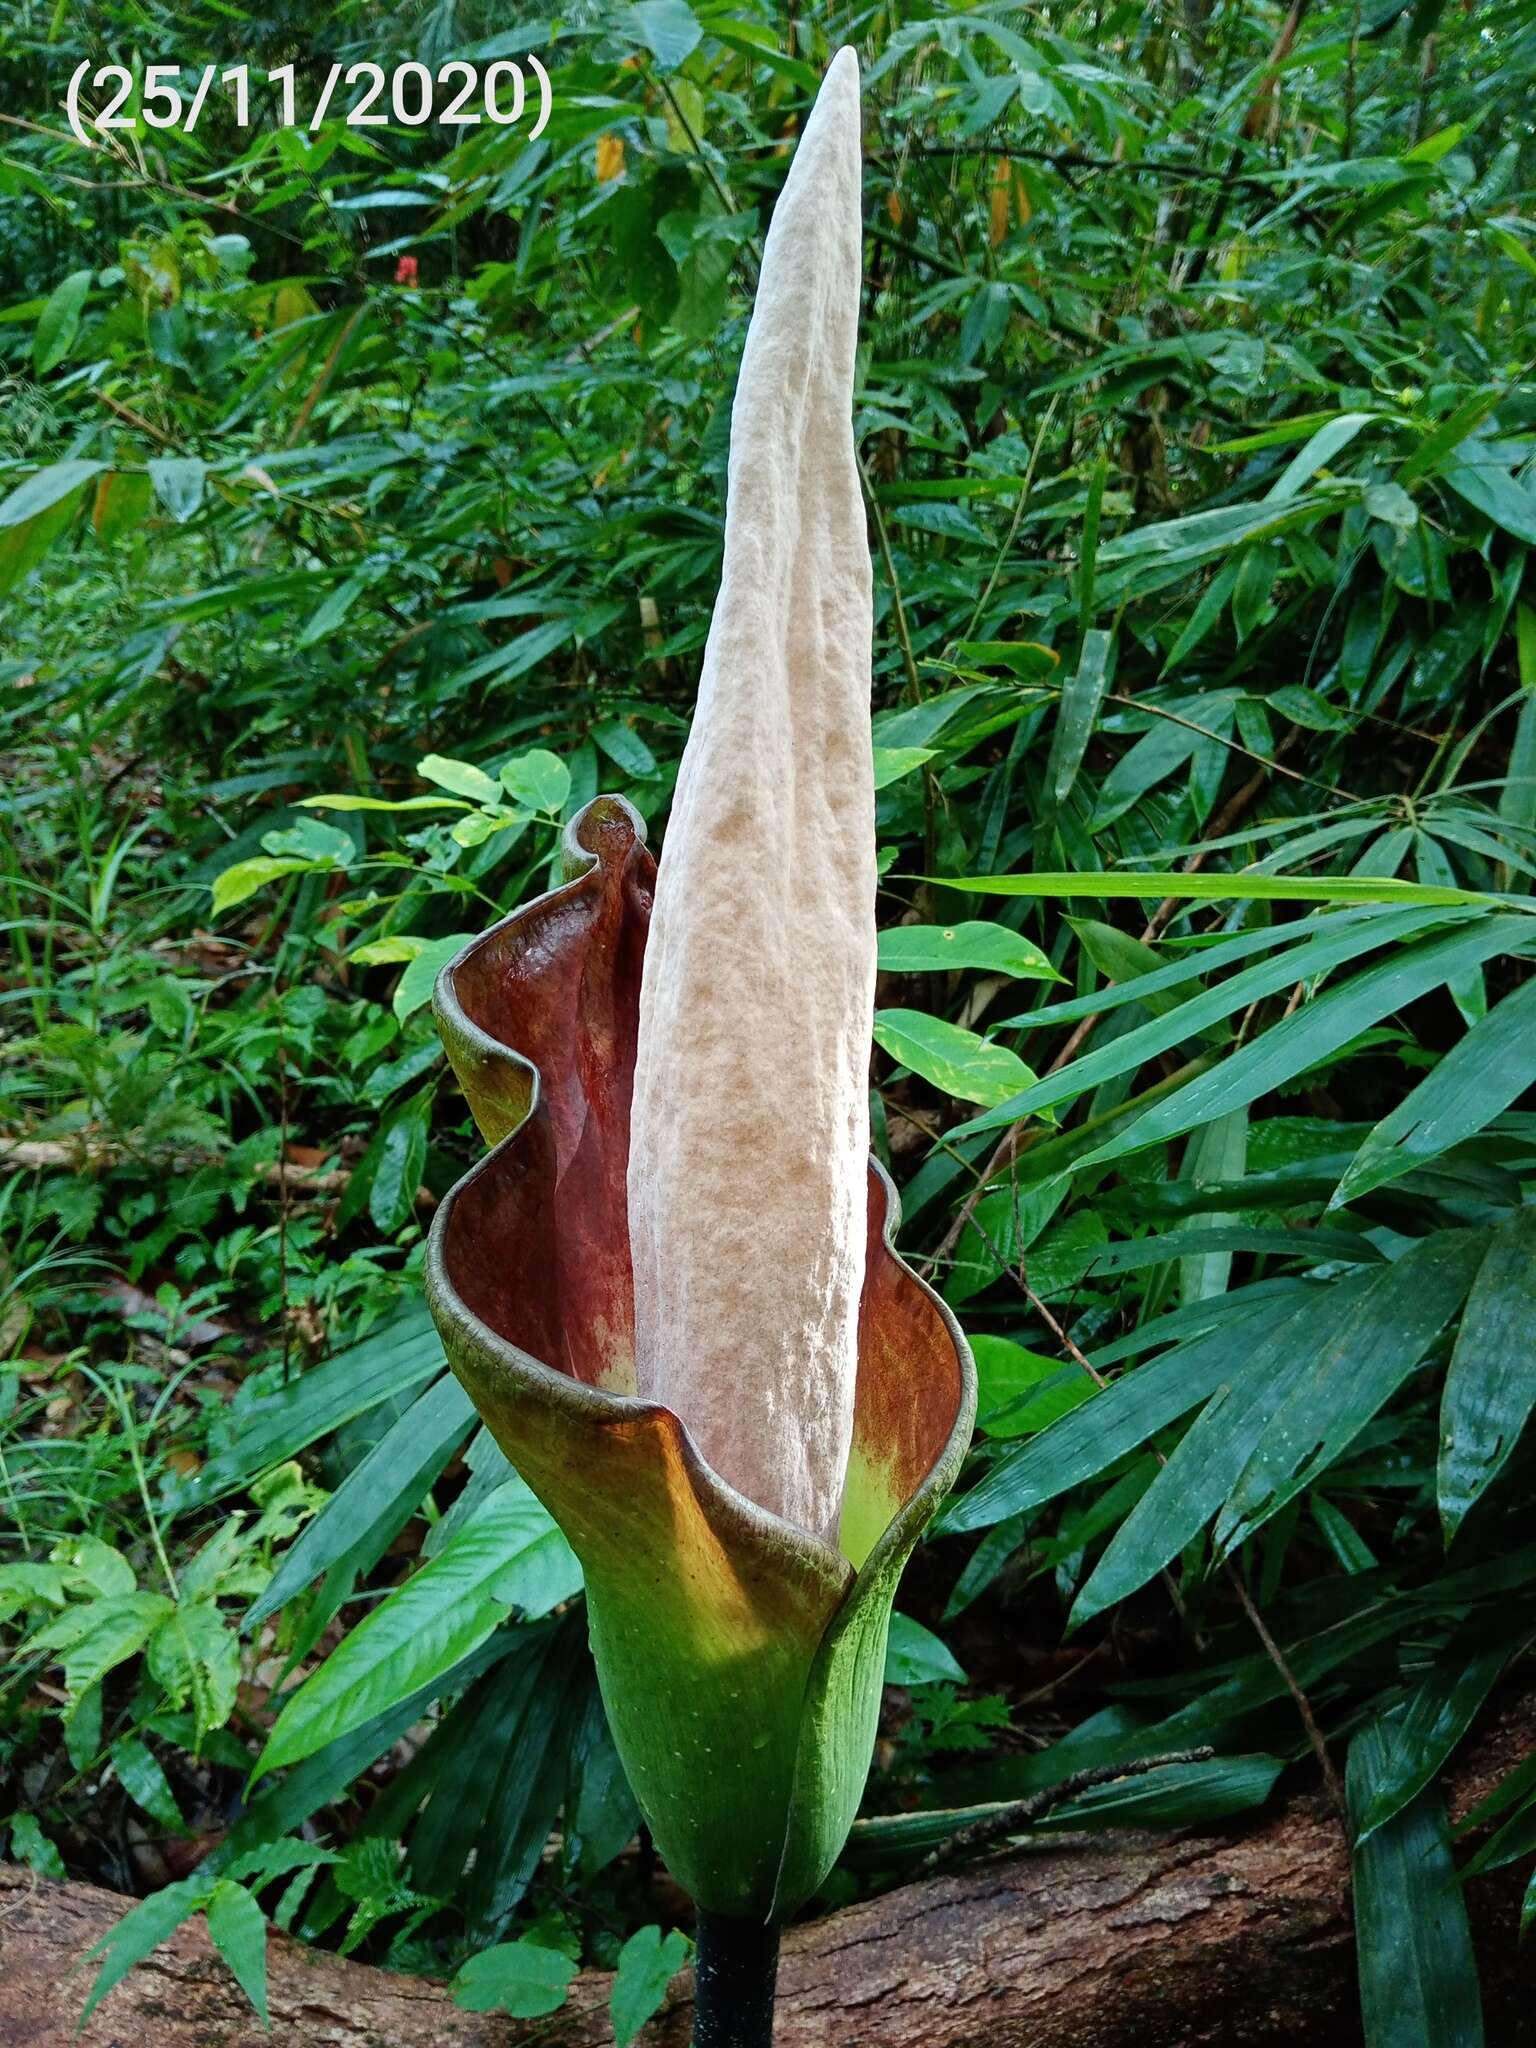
(758, 985)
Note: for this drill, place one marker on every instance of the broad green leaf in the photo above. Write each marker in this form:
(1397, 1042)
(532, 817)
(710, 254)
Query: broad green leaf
(324, 1778)
(178, 482)
(1489, 486)
(30, 1846)
(413, 991)
(273, 1419)
(1123, 959)
(1151, 557)
(96, 1637)
(121, 504)
(59, 322)
(600, 1811)
(328, 615)
(1481, 1075)
(647, 1965)
(892, 763)
(1087, 571)
(521, 1978)
(937, 948)
(1418, 1977)
(23, 546)
(1217, 1153)
(459, 777)
(140, 1774)
(1329, 441)
(624, 747)
(509, 1555)
(1056, 1264)
(1020, 1391)
(539, 781)
(1155, 756)
(1490, 1388)
(1350, 1376)
(91, 1562)
(1002, 1226)
(914, 1655)
(309, 839)
(195, 1655)
(505, 1757)
(955, 1061)
(245, 877)
(239, 1933)
(1078, 712)
(34, 1585)
(1026, 659)
(400, 1155)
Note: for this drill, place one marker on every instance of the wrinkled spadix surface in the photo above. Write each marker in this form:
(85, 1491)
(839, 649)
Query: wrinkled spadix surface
(758, 989)
(740, 1657)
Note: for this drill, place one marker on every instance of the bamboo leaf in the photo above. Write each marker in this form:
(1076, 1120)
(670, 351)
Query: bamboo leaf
(1490, 1390)
(1314, 1033)
(1248, 887)
(1437, 1714)
(938, 949)
(1331, 948)
(1353, 1373)
(1481, 1075)
(1418, 1977)
(1120, 1419)
(1079, 709)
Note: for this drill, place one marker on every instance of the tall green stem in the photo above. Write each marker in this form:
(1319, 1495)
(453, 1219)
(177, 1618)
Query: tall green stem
(735, 1972)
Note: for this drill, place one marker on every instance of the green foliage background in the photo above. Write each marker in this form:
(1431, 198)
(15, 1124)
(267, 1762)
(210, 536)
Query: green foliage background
(383, 466)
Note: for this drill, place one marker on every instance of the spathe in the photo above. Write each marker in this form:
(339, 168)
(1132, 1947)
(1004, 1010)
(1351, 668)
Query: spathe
(741, 1658)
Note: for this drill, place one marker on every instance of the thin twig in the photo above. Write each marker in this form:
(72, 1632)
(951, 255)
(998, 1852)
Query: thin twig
(1020, 1814)
(1018, 513)
(1292, 1685)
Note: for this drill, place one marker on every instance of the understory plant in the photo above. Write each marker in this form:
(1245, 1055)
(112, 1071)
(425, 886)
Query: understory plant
(671, 1289)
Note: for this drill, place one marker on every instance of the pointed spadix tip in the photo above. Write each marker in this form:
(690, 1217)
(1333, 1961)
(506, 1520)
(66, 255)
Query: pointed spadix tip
(832, 128)
(844, 68)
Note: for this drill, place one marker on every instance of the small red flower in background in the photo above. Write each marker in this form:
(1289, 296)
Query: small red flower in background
(406, 270)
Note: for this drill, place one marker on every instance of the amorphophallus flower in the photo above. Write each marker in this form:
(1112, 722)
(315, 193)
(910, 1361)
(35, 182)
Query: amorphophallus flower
(671, 1287)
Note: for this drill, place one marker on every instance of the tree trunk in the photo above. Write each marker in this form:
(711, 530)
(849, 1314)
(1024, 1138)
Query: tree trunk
(1152, 1941)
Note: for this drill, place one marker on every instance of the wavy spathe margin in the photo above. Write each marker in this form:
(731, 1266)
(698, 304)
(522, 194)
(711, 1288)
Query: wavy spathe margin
(741, 1658)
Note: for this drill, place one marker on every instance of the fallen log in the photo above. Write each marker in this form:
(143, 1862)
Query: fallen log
(1162, 1941)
